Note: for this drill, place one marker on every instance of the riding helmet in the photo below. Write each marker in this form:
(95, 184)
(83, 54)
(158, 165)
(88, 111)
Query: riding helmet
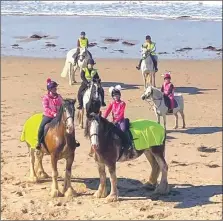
(91, 61)
(83, 33)
(167, 76)
(148, 37)
(116, 92)
(51, 84)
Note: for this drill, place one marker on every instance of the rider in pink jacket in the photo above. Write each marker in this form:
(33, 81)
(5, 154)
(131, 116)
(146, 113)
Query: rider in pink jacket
(52, 102)
(168, 90)
(117, 107)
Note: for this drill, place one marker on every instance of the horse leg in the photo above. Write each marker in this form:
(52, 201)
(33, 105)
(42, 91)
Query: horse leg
(164, 121)
(74, 69)
(54, 190)
(144, 79)
(183, 117)
(41, 174)
(157, 117)
(151, 184)
(113, 196)
(68, 189)
(32, 177)
(82, 118)
(176, 121)
(102, 189)
(158, 153)
(153, 74)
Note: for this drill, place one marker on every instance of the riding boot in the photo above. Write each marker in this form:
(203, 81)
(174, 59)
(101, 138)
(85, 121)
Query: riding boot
(139, 65)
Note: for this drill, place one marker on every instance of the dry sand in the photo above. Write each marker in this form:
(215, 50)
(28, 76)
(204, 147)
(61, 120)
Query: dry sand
(195, 177)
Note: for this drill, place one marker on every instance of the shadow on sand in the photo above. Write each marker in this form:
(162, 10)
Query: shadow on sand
(198, 130)
(191, 90)
(123, 85)
(186, 195)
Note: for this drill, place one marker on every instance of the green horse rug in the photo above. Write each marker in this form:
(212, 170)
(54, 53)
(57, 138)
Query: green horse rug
(30, 130)
(146, 133)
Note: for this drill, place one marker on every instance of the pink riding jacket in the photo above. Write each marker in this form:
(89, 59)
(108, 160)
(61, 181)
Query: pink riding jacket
(168, 89)
(118, 110)
(51, 104)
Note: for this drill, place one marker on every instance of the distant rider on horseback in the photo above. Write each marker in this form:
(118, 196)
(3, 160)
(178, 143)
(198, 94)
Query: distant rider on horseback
(151, 47)
(82, 42)
(89, 74)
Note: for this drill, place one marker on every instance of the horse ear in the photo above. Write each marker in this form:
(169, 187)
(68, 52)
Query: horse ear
(118, 87)
(111, 89)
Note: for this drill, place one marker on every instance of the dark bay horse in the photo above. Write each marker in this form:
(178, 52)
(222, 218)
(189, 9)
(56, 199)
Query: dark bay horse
(107, 145)
(59, 143)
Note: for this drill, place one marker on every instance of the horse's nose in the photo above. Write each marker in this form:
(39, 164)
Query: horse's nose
(143, 97)
(69, 129)
(94, 146)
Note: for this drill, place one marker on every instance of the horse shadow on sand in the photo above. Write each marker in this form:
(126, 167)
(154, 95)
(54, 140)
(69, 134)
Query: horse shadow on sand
(199, 130)
(123, 85)
(185, 195)
(192, 90)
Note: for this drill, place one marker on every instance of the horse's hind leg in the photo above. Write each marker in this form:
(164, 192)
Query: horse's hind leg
(32, 177)
(41, 174)
(102, 189)
(183, 118)
(82, 118)
(113, 196)
(151, 184)
(153, 81)
(68, 189)
(54, 191)
(176, 121)
(73, 71)
(69, 74)
(158, 153)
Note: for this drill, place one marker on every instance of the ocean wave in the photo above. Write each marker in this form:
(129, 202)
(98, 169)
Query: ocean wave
(205, 10)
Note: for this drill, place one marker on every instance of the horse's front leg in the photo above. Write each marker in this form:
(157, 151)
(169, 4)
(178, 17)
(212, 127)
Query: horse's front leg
(102, 189)
(69, 74)
(39, 166)
(144, 79)
(164, 121)
(74, 69)
(157, 116)
(54, 190)
(32, 177)
(68, 189)
(153, 81)
(82, 118)
(113, 196)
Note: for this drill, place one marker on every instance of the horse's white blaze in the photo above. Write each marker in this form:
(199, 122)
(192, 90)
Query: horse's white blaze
(94, 133)
(69, 123)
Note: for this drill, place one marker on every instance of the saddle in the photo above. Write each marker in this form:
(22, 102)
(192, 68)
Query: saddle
(167, 102)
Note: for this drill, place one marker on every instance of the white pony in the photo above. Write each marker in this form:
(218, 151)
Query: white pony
(70, 68)
(147, 68)
(92, 98)
(154, 95)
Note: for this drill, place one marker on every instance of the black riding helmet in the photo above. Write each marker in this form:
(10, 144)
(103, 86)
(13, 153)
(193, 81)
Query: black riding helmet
(91, 61)
(148, 37)
(83, 33)
(116, 92)
(51, 84)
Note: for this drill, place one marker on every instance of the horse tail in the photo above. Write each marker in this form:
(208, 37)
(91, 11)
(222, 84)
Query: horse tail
(65, 69)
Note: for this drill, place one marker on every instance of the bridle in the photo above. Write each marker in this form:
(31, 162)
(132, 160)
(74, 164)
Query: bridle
(153, 99)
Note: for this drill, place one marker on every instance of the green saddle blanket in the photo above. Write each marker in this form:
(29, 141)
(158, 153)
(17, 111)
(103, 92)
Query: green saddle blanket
(30, 130)
(146, 133)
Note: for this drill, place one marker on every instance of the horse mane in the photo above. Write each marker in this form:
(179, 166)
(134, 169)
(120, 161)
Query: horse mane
(106, 126)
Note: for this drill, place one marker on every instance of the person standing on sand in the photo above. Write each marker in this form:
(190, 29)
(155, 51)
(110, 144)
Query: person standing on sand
(82, 42)
(168, 91)
(151, 47)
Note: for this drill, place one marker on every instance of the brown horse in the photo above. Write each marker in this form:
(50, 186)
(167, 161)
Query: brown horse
(59, 143)
(107, 144)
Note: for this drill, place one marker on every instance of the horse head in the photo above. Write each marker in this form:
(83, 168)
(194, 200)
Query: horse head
(152, 92)
(83, 53)
(67, 111)
(144, 53)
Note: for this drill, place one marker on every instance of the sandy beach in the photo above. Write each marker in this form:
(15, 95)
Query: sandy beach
(195, 177)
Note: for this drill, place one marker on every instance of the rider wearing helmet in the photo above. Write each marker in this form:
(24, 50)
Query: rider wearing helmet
(151, 47)
(89, 74)
(82, 42)
(52, 102)
(117, 107)
(168, 90)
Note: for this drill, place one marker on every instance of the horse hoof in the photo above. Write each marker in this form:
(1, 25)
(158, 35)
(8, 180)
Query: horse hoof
(55, 193)
(33, 179)
(112, 198)
(175, 127)
(100, 194)
(70, 192)
(149, 186)
(42, 175)
(162, 189)
(183, 127)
